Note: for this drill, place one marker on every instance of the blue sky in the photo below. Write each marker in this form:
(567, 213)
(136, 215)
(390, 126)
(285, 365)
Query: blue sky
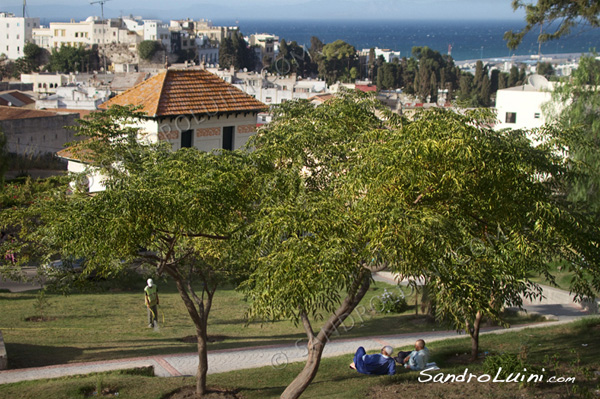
(279, 9)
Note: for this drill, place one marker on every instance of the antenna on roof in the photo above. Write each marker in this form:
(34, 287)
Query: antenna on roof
(24, 7)
(101, 2)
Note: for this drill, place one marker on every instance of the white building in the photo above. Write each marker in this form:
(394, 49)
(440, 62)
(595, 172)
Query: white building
(42, 37)
(157, 31)
(208, 53)
(89, 32)
(15, 32)
(74, 97)
(520, 107)
(204, 28)
(45, 82)
(272, 89)
(265, 43)
(186, 108)
(387, 54)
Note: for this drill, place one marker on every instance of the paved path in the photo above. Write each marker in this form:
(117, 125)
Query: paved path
(556, 305)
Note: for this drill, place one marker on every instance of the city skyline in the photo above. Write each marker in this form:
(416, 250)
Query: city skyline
(284, 9)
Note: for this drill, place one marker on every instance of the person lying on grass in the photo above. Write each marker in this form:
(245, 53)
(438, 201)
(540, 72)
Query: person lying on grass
(415, 360)
(378, 364)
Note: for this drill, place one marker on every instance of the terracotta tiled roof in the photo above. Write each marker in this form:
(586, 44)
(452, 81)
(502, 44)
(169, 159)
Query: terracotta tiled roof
(76, 153)
(321, 97)
(11, 113)
(366, 88)
(82, 112)
(185, 92)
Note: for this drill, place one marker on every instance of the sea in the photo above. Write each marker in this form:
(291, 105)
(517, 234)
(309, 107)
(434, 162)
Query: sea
(469, 40)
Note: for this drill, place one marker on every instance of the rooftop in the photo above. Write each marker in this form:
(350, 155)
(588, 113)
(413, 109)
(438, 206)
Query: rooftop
(184, 92)
(15, 98)
(12, 113)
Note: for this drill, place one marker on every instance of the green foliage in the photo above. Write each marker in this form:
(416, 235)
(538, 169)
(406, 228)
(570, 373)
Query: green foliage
(578, 131)
(147, 49)
(235, 52)
(308, 242)
(462, 205)
(336, 62)
(544, 13)
(175, 211)
(67, 59)
(292, 58)
(390, 302)
(545, 69)
(509, 362)
(41, 304)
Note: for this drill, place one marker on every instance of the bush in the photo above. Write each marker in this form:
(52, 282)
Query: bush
(511, 363)
(147, 49)
(389, 302)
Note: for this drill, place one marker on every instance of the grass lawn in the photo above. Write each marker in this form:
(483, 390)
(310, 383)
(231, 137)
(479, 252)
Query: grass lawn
(113, 324)
(570, 350)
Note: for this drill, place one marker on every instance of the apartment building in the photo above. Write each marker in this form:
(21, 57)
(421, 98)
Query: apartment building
(15, 32)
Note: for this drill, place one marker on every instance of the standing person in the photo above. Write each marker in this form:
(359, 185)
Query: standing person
(151, 299)
(378, 364)
(415, 360)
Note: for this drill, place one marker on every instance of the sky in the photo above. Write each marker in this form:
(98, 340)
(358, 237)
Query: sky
(269, 9)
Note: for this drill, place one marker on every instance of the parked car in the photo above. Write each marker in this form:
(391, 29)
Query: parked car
(65, 265)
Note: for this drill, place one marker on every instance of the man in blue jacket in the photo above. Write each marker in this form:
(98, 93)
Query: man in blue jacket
(378, 364)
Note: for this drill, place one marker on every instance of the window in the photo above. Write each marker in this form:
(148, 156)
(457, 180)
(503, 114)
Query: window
(228, 137)
(186, 138)
(536, 115)
(511, 117)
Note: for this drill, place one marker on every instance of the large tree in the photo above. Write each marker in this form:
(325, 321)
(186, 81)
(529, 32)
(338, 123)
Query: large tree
(348, 187)
(575, 108)
(475, 211)
(338, 59)
(175, 211)
(311, 261)
(557, 16)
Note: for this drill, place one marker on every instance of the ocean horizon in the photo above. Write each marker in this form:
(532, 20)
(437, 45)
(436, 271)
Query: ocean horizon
(470, 39)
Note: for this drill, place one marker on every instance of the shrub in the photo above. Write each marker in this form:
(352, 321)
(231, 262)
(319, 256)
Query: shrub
(389, 302)
(147, 49)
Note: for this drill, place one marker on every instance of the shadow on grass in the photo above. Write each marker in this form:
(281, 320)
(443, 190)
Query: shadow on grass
(28, 355)
(16, 297)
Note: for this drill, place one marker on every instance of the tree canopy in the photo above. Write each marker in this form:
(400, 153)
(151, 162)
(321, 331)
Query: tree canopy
(147, 49)
(443, 197)
(174, 211)
(575, 109)
(557, 16)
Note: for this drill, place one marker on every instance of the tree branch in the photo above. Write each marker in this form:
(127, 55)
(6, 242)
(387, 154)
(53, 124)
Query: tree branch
(307, 326)
(420, 197)
(198, 235)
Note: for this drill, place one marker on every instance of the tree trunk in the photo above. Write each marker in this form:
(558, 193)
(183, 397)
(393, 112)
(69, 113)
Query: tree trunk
(316, 344)
(202, 360)
(474, 333)
(308, 373)
(199, 320)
